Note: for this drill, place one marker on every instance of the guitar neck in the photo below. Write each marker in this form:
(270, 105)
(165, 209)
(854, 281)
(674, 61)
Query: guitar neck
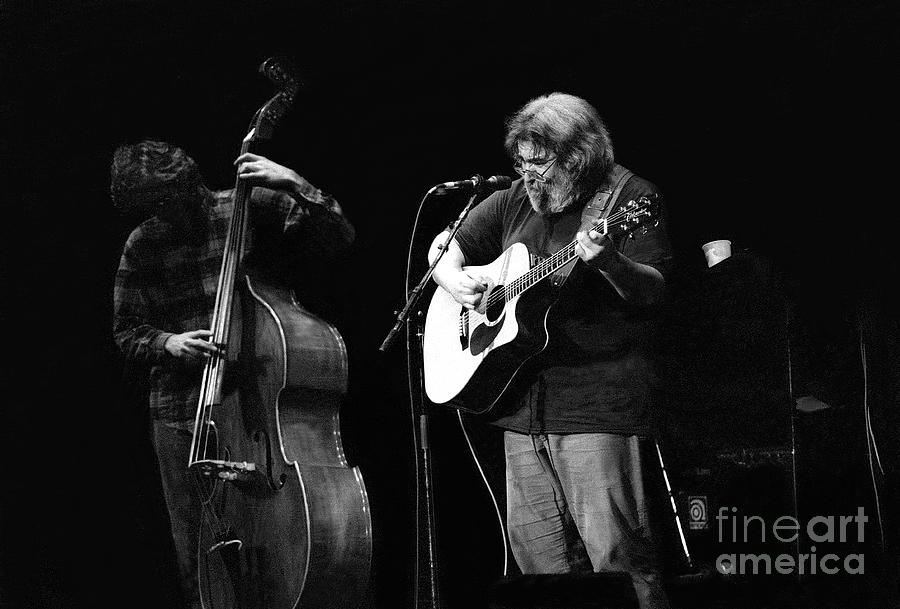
(544, 269)
(564, 256)
(628, 218)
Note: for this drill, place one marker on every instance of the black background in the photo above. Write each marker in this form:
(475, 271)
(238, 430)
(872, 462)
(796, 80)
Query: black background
(763, 123)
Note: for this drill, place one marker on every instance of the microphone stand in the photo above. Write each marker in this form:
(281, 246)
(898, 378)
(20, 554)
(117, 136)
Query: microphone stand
(427, 590)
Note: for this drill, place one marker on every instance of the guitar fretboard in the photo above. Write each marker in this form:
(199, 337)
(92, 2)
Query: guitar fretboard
(625, 220)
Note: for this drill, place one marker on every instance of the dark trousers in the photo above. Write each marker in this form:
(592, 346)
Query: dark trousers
(172, 449)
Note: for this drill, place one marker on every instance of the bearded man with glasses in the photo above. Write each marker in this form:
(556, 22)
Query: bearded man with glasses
(577, 419)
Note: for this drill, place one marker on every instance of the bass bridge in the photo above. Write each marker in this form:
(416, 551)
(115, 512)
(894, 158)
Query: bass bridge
(239, 472)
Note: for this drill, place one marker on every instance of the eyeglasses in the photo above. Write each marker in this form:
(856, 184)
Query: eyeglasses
(537, 176)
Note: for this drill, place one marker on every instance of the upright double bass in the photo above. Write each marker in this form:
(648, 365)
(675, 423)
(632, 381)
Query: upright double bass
(285, 519)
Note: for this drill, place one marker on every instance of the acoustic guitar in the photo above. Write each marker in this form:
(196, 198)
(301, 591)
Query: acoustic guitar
(471, 356)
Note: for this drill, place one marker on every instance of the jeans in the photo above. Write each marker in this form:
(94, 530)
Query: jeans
(575, 503)
(172, 449)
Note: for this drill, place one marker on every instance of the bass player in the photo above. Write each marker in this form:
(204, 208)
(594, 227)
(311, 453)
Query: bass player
(166, 283)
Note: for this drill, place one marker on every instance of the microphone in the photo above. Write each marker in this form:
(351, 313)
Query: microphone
(476, 182)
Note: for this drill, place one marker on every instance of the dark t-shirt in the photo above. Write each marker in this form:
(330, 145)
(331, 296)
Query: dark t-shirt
(595, 374)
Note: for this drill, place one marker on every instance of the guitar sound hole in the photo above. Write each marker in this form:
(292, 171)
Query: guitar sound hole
(496, 303)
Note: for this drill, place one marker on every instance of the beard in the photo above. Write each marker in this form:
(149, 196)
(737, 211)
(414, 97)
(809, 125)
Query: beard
(553, 196)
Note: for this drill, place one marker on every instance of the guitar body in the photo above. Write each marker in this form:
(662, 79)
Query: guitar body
(470, 358)
(295, 530)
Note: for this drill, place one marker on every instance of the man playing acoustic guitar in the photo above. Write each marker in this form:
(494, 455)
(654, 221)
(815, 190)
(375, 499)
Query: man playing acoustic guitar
(577, 414)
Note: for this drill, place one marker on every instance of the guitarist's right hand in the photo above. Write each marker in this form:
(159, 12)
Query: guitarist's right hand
(449, 274)
(464, 288)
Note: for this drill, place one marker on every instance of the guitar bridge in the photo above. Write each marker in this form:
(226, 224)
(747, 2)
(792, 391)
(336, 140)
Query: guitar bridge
(464, 329)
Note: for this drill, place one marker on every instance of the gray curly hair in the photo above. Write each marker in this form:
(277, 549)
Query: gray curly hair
(571, 128)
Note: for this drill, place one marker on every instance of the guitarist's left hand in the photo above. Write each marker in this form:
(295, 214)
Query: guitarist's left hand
(596, 249)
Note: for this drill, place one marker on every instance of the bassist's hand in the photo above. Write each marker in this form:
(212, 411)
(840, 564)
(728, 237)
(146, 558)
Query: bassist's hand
(191, 346)
(465, 289)
(260, 171)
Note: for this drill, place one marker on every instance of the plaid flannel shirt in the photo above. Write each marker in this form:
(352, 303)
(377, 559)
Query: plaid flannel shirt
(166, 283)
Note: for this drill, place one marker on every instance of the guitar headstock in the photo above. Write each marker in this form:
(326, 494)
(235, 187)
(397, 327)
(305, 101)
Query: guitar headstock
(641, 213)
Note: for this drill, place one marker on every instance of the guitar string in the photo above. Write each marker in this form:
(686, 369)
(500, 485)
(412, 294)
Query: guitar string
(541, 270)
(551, 264)
(545, 267)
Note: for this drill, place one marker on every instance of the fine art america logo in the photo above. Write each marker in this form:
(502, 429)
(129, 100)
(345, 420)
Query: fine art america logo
(787, 529)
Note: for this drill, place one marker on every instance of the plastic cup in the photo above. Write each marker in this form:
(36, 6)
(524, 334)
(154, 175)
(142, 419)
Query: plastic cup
(716, 251)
